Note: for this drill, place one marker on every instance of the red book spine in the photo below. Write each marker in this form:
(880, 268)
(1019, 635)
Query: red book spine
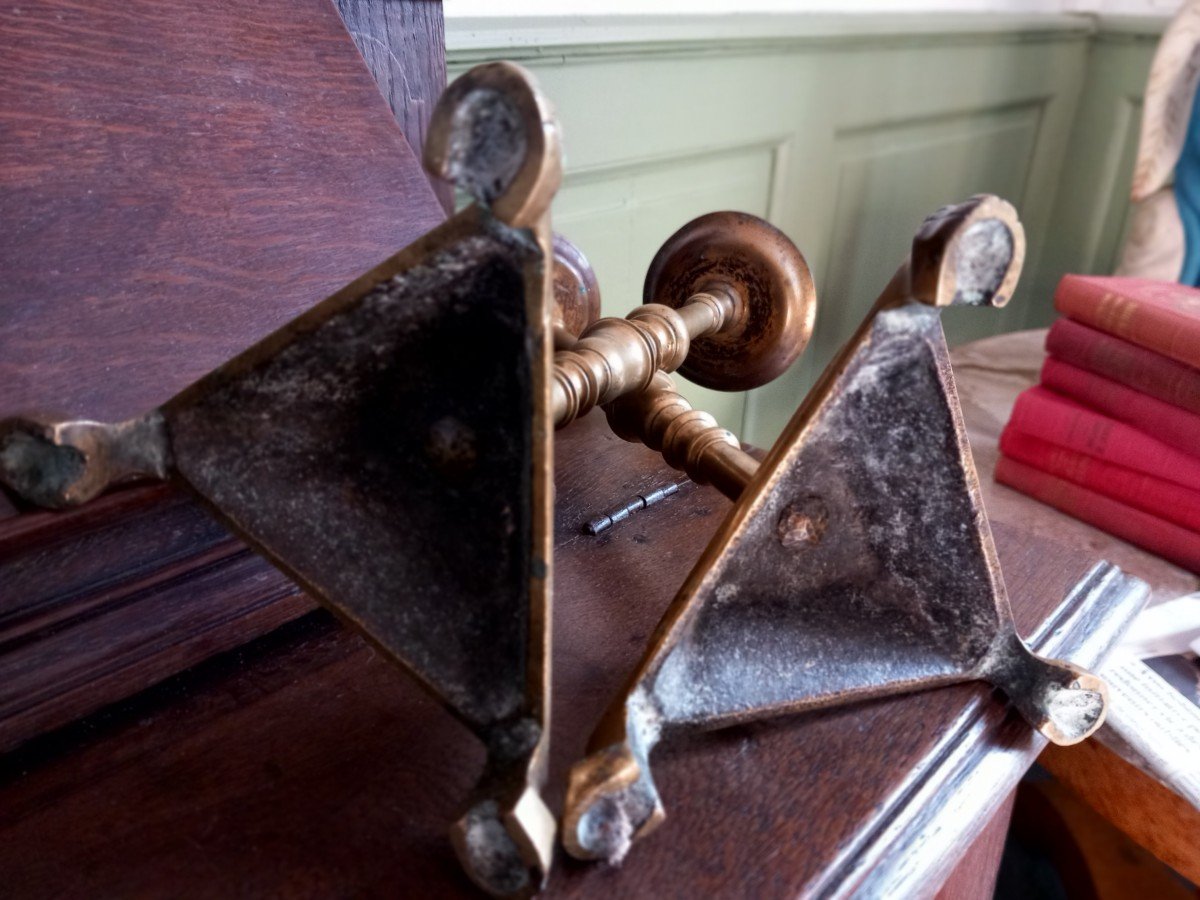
(1131, 365)
(1164, 499)
(1160, 537)
(1062, 421)
(1160, 315)
(1167, 423)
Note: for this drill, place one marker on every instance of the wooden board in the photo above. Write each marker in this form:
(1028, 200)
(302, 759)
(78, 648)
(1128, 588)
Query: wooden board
(1139, 806)
(1058, 833)
(176, 180)
(305, 764)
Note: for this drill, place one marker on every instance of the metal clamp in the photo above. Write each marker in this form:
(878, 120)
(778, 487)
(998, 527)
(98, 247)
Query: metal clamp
(391, 450)
(857, 562)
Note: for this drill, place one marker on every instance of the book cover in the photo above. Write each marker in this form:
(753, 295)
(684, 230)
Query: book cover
(1162, 538)
(1159, 497)
(1131, 365)
(1162, 421)
(1160, 315)
(1060, 420)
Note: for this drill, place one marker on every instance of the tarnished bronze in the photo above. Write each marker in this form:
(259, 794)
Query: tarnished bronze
(61, 464)
(857, 562)
(391, 450)
(728, 298)
(774, 299)
(576, 293)
(689, 440)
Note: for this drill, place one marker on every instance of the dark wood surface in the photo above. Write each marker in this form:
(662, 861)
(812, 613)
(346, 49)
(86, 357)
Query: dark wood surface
(1138, 805)
(1092, 859)
(136, 587)
(176, 180)
(179, 179)
(304, 764)
(402, 42)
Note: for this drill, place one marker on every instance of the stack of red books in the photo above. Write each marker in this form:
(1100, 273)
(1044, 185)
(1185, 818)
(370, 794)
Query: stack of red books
(1112, 434)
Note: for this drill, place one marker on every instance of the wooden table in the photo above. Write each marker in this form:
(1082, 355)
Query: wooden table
(304, 765)
(177, 180)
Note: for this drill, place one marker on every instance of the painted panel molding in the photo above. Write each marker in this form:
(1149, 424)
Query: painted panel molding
(891, 174)
(844, 131)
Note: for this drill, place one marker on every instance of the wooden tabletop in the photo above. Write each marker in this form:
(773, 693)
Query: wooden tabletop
(178, 180)
(304, 764)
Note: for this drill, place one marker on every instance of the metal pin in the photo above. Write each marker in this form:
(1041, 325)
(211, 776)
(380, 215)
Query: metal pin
(641, 501)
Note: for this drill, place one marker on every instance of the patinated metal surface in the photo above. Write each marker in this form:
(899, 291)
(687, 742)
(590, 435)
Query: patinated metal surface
(382, 456)
(576, 293)
(756, 263)
(390, 449)
(690, 440)
(729, 301)
(858, 561)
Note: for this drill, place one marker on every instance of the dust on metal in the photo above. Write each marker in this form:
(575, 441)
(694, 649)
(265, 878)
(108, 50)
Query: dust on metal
(858, 561)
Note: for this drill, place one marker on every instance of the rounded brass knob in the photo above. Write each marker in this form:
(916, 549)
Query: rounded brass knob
(775, 301)
(576, 291)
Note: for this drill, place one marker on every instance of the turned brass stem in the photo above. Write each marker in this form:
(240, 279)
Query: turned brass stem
(689, 440)
(613, 357)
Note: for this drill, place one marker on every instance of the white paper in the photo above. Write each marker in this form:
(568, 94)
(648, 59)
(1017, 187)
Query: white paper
(1167, 629)
(1156, 721)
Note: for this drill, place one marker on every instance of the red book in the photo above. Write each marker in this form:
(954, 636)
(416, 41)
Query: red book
(1160, 420)
(1179, 545)
(1156, 496)
(1131, 365)
(1062, 421)
(1160, 315)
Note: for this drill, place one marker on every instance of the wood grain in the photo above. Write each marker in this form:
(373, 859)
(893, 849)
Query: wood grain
(176, 180)
(126, 592)
(1140, 807)
(403, 44)
(974, 877)
(1092, 859)
(304, 764)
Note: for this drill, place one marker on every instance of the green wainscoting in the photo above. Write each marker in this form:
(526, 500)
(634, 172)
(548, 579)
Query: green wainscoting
(1091, 206)
(845, 132)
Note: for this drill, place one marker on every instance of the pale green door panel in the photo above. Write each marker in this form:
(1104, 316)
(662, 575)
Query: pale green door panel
(845, 137)
(1091, 210)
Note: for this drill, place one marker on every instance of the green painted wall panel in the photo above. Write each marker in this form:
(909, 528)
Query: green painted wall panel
(623, 214)
(843, 138)
(1091, 209)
